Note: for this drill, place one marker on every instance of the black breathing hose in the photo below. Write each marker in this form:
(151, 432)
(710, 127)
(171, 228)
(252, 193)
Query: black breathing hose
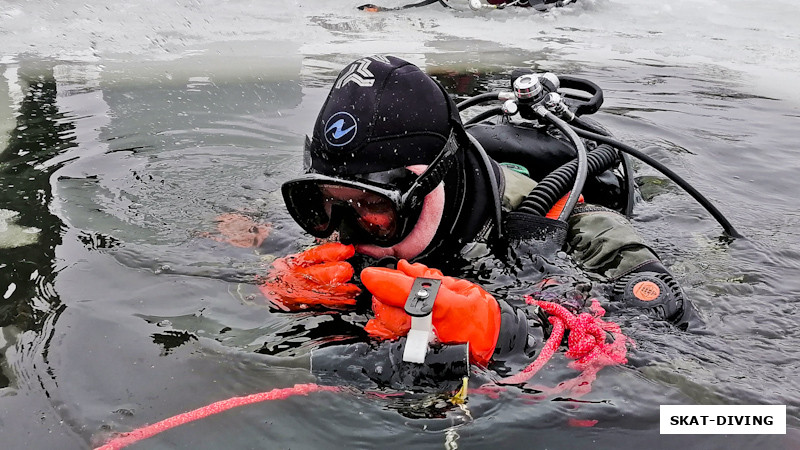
(627, 170)
(484, 115)
(582, 167)
(480, 98)
(556, 183)
(541, 199)
(583, 124)
(579, 174)
(669, 174)
(493, 183)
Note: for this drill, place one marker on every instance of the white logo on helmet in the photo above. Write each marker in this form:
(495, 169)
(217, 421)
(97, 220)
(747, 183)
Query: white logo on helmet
(340, 129)
(358, 73)
(381, 58)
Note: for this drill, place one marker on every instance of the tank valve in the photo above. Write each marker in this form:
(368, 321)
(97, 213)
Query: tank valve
(510, 107)
(554, 103)
(528, 88)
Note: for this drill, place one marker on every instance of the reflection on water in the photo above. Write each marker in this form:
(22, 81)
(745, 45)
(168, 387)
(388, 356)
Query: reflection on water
(123, 313)
(27, 267)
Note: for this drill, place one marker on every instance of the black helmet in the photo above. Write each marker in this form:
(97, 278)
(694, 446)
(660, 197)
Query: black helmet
(382, 116)
(382, 113)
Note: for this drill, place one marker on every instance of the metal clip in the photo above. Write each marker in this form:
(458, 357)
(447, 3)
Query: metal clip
(419, 305)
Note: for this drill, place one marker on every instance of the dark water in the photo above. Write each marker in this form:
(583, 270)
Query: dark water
(124, 314)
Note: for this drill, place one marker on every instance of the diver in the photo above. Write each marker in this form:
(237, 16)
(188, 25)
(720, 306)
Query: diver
(394, 175)
(475, 5)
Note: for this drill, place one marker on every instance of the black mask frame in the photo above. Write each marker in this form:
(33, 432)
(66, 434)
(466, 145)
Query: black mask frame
(298, 195)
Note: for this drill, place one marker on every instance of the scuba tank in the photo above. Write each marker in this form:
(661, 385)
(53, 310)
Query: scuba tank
(541, 119)
(541, 149)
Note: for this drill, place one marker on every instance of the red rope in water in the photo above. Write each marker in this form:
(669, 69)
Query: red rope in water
(550, 347)
(214, 408)
(587, 345)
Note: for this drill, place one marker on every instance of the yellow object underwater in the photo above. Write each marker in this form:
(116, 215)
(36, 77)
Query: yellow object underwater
(460, 397)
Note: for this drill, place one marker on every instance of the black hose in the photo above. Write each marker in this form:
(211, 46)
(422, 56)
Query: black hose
(669, 173)
(630, 184)
(493, 183)
(484, 115)
(480, 98)
(582, 169)
(588, 126)
(627, 169)
(552, 187)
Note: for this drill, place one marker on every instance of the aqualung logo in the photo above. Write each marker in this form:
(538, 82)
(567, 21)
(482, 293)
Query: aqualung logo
(340, 129)
(358, 73)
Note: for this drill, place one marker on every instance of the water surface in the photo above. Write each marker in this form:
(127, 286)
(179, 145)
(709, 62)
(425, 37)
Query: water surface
(127, 130)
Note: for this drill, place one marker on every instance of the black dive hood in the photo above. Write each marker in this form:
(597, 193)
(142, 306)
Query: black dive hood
(473, 190)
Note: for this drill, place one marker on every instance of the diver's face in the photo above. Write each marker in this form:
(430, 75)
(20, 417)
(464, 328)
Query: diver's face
(376, 210)
(421, 235)
(373, 214)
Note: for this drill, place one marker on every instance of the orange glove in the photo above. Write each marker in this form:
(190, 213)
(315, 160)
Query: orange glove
(317, 276)
(463, 311)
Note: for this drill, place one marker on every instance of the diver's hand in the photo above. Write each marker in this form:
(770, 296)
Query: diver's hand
(318, 276)
(463, 311)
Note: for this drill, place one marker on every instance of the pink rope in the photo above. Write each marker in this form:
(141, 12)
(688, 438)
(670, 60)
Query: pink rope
(550, 347)
(586, 344)
(139, 434)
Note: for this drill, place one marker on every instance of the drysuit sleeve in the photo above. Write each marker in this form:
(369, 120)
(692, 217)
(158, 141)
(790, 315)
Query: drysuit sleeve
(601, 240)
(604, 242)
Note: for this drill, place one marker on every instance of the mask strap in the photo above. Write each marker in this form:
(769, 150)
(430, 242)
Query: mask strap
(307, 154)
(436, 171)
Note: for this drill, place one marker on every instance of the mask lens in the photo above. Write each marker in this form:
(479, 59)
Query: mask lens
(308, 208)
(374, 213)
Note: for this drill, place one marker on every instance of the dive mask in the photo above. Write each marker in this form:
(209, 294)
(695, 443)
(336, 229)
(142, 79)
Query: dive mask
(379, 209)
